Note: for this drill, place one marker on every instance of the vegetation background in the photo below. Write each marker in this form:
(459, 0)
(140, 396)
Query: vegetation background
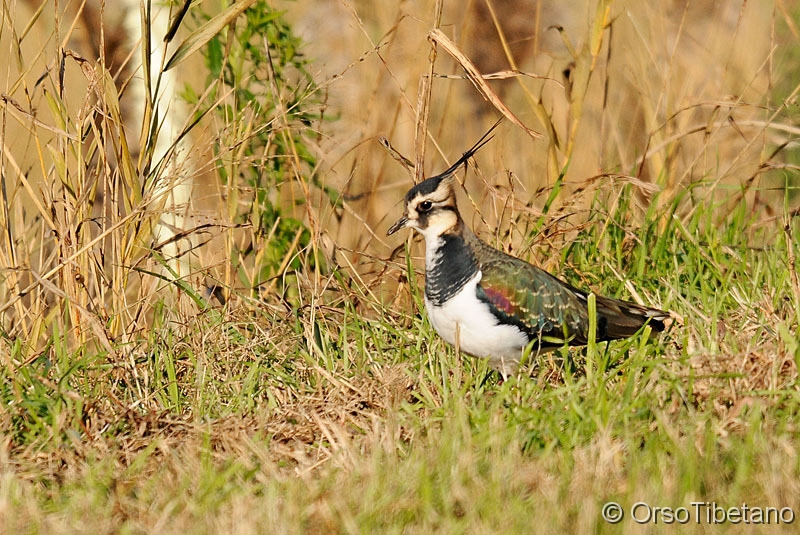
(213, 334)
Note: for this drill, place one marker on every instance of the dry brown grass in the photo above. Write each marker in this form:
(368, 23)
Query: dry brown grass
(315, 399)
(685, 85)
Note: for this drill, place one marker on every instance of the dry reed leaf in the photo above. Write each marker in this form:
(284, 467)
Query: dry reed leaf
(10, 104)
(477, 79)
(204, 33)
(396, 155)
(514, 73)
(424, 102)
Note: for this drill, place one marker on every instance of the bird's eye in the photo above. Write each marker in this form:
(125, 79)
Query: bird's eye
(425, 206)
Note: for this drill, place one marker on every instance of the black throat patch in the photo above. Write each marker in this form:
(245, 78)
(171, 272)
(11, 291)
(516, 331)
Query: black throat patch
(452, 265)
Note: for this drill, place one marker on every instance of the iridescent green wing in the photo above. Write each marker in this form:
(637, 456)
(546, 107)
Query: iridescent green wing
(543, 306)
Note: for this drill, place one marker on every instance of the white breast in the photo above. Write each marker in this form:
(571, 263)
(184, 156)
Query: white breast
(467, 323)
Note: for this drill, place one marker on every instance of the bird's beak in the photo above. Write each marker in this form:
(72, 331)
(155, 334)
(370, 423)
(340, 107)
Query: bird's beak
(400, 223)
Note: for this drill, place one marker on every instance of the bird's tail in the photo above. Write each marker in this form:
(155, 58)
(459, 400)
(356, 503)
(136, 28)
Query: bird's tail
(621, 319)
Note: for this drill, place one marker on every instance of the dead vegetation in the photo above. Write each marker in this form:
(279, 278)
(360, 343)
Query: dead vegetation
(282, 375)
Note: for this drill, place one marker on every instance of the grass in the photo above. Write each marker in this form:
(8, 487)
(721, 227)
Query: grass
(291, 383)
(376, 425)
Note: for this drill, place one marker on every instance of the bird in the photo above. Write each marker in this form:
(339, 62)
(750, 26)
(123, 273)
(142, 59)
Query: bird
(492, 305)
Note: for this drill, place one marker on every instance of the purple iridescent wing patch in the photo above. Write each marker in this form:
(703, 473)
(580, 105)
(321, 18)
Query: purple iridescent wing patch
(499, 297)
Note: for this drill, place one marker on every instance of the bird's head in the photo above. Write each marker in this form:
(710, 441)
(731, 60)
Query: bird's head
(430, 207)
